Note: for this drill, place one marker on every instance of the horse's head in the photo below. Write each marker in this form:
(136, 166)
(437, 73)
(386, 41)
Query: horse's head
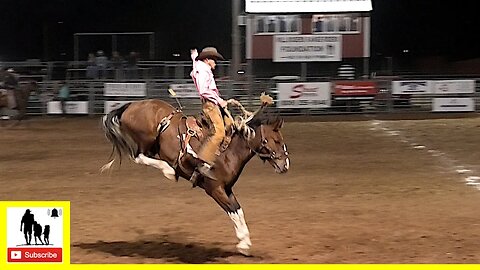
(268, 142)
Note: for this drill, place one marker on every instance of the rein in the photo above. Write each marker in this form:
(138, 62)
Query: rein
(264, 156)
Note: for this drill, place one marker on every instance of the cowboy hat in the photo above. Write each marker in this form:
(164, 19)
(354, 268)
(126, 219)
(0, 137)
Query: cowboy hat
(210, 53)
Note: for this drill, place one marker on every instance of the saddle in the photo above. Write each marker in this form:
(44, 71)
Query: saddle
(197, 126)
(201, 127)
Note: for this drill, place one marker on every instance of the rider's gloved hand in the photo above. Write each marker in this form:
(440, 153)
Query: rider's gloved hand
(233, 101)
(223, 103)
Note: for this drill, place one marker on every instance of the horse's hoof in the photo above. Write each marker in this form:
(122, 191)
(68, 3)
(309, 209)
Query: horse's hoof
(244, 249)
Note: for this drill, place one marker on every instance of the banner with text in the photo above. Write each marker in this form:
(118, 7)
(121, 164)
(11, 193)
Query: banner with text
(454, 87)
(72, 107)
(355, 88)
(304, 95)
(415, 87)
(302, 6)
(453, 105)
(307, 48)
(125, 89)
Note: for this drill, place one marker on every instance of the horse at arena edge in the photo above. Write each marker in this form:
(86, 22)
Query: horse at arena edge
(22, 95)
(154, 133)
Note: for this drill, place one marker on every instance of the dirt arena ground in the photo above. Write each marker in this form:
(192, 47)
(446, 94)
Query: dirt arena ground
(367, 191)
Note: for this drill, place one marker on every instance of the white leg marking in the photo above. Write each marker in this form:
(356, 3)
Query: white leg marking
(168, 171)
(241, 231)
(287, 165)
(107, 166)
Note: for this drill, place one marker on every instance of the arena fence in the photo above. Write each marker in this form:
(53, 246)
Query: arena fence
(292, 96)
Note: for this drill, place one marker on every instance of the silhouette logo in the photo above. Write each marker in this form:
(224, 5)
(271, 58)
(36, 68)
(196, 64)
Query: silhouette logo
(34, 234)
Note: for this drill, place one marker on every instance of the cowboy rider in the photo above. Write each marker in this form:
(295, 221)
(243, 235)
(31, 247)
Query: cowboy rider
(9, 82)
(213, 106)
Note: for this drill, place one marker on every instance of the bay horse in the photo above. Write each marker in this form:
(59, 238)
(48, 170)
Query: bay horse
(22, 95)
(154, 133)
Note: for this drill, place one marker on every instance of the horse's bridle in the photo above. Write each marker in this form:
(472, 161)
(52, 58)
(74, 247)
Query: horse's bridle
(270, 153)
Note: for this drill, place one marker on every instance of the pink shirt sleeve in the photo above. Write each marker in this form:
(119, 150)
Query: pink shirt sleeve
(207, 88)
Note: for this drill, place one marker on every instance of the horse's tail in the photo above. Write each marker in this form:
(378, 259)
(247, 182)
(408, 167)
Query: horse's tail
(121, 142)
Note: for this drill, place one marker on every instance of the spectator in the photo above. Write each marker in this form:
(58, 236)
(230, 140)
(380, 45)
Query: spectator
(319, 25)
(261, 25)
(132, 68)
(293, 25)
(101, 63)
(271, 24)
(117, 64)
(283, 24)
(92, 70)
(63, 96)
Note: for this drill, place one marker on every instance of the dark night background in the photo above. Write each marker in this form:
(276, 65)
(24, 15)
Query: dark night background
(44, 28)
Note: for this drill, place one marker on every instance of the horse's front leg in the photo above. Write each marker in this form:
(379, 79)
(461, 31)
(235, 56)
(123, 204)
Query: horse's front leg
(228, 202)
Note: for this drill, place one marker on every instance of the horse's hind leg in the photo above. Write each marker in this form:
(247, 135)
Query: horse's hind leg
(168, 171)
(230, 204)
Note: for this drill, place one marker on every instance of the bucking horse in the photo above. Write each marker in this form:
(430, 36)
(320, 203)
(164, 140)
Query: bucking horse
(152, 132)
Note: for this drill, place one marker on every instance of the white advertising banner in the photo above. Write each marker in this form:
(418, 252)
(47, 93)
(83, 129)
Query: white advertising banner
(72, 107)
(412, 87)
(307, 48)
(185, 90)
(125, 89)
(454, 87)
(111, 105)
(302, 6)
(304, 95)
(453, 105)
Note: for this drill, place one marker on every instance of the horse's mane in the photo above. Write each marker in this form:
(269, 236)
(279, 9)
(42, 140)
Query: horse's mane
(247, 128)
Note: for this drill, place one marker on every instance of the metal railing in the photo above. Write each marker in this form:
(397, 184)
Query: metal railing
(384, 101)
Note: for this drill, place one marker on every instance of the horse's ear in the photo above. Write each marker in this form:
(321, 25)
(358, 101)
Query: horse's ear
(278, 124)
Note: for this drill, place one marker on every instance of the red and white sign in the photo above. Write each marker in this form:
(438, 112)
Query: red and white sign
(304, 95)
(30, 255)
(355, 88)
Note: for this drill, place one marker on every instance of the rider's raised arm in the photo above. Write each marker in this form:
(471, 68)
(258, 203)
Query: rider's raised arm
(193, 55)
